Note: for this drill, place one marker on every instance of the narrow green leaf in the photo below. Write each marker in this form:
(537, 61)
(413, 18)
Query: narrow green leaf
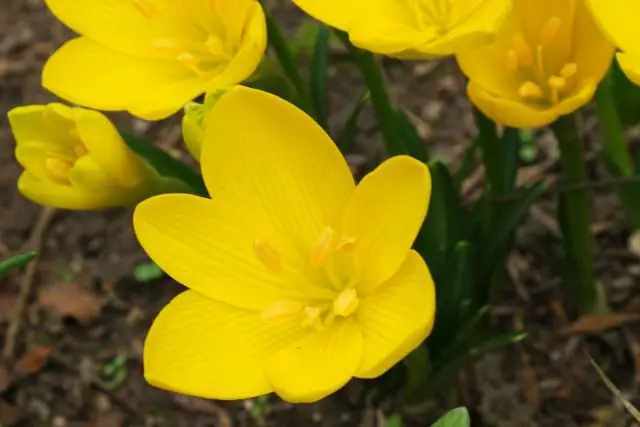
(445, 224)
(458, 417)
(413, 142)
(348, 134)
(508, 218)
(15, 262)
(166, 165)
(319, 76)
(510, 151)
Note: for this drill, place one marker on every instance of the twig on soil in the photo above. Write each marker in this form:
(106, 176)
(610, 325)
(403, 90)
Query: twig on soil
(26, 284)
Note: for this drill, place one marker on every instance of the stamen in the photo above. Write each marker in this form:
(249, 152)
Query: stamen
(312, 317)
(513, 61)
(320, 253)
(267, 255)
(569, 70)
(281, 310)
(59, 169)
(167, 43)
(190, 61)
(542, 69)
(346, 303)
(145, 8)
(346, 244)
(557, 85)
(214, 46)
(530, 90)
(550, 30)
(523, 50)
(80, 151)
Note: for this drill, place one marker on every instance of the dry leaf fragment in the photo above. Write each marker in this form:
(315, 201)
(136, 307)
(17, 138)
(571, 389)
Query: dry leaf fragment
(595, 323)
(70, 300)
(33, 361)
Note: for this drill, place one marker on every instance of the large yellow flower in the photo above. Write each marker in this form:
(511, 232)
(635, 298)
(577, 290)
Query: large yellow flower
(547, 62)
(412, 29)
(150, 57)
(75, 159)
(299, 280)
(619, 20)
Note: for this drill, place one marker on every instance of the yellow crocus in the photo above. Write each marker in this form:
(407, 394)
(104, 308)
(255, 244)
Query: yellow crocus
(412, 29)
(193, 122)
(74, 158)
(546, 62)
(619, 20)
(151, 57)
(299, 280)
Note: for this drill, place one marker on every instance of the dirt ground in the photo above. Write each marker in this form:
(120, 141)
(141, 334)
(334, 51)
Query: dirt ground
(76, 357)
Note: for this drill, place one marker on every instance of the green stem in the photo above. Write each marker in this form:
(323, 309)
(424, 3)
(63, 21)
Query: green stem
(491, 151)
(615, 152)
(379, 96)
(574, 219)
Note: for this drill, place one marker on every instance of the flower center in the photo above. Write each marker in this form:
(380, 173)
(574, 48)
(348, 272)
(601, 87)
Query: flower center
(531, 64)
(58, 165)
(333, 258)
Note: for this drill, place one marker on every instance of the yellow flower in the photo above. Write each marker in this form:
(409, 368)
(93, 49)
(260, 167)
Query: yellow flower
(193, 121)
(151, 57)
(619, 20)
(75, 159)
(299, 280)
(412, 29)
(547, 62)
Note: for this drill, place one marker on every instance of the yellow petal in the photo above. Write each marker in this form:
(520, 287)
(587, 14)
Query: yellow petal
(192, 133)
(318, 364)
(336, 13)
(208, 246)
(521, 115)
(59, 196)
(630, 64)
(201, 347)
(397, 317)
(138, 23)
(109, 151)
(27, 124)
(385, 215)
(619, 20)
(88, 74)
(277, 163)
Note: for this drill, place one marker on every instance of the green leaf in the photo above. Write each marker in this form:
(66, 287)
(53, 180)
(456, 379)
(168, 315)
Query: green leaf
(15, 262)
(626, 94)
(444, 226)
(510, 151)
(504, 223)
(348, 134)
(394, 420)
(147, 272)
(466, 165)
(409, 133)
(166, 165)
(319, 76)
(458, 417)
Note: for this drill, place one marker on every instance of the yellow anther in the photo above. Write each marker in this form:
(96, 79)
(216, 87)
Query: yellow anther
(145, 8)
(267, 255)
(80, 151)
(550, 30)
(190, 61)
(281, 310)
(167, 43)
(513, 62)
(530, 90)
(320, 253)
(58, 169)
(569, 70)
(312, 317)
(523, 50)
(215, 46)
(346, 303)
(557, 82)
(346, 244)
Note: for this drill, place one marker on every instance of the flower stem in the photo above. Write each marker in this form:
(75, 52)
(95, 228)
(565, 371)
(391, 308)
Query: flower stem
(615, 152)
(379, 97)
(574, 220)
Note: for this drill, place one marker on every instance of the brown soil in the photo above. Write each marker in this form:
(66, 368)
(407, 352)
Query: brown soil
(86, 313)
